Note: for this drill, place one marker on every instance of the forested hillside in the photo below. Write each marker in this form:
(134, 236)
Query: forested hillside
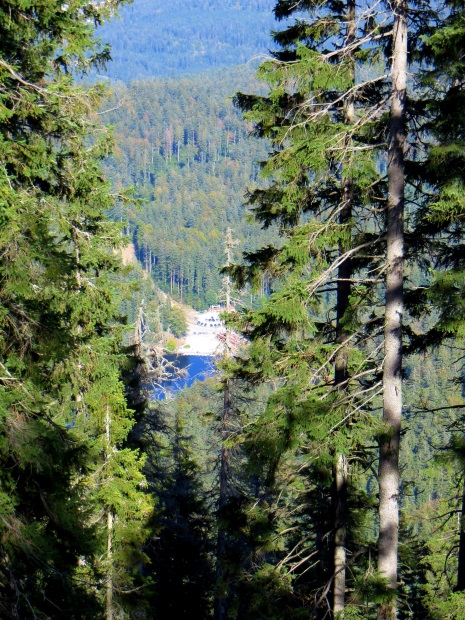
(185, 148)
(298, 493)
(320, 472)
(167, 39)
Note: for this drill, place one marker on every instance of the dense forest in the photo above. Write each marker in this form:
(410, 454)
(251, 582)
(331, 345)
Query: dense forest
(167, 39)
(184, 147)
(73, 510)
(319, 472)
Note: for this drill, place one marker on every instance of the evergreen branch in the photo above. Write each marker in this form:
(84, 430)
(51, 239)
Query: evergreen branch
(341, 346)
(445, 408)
(312, 288)
(292, 553)
(40, 89)
(352, 413)
(328, 585)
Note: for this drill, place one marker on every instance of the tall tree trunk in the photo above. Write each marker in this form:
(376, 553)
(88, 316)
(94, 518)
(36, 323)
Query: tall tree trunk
(392, 381)
(109, 576)
(460, 587)
(220, 607)
(109, 581)
(340, 529)
(340, 370)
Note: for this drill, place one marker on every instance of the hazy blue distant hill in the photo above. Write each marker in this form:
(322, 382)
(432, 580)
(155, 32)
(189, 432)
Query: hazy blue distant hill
(168, 38)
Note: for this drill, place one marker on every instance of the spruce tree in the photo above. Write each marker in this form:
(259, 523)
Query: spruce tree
(317, 156)
(59, 326)
(442, 223)
(181, 551)
(226, 494)
(321, 168)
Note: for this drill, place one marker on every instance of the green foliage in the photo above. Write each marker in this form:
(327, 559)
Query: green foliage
(326, 191)
(181, 551)
(171, 345)
(67, 466)
(153, 38)
(59, 327)
(183, 146)
(174, 318)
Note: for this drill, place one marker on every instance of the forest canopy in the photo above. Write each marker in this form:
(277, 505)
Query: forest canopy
(73, 513)
(319, 471)
(170, 39)
(184, 147)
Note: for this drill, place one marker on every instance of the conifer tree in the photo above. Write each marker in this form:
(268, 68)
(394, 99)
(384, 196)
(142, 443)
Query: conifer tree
(59, 331)
(182, 549)
(226, 493)
(315, 157)
(321, 168)
(442, 221)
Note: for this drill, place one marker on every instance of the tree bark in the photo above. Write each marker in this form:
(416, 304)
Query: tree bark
(109, 576)
(392, 382)
(340, 371)
(109, 581)
(220, 606)
(340, 530)
(461, 567)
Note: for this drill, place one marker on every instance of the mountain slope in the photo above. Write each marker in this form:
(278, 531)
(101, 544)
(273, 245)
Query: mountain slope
(154, 38)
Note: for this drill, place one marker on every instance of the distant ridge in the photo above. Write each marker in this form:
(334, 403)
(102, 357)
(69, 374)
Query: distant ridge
(155, 38)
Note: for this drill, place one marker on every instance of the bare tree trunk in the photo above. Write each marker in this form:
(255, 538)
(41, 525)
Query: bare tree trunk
(392, 381)
(340, 530)
(460, 587)
(139, 331)
(109, 576)
(340, 370)
(109, 583)
(340, 379)
(220, 607)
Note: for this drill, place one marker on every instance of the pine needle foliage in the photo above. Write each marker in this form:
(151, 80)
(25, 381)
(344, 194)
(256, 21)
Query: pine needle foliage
(317, 153)
(327, 115)
(60, 359)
